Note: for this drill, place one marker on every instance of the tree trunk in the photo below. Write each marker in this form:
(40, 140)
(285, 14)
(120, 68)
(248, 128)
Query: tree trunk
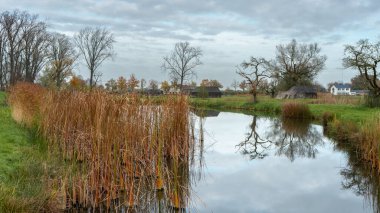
(254, 97)
(91, 78)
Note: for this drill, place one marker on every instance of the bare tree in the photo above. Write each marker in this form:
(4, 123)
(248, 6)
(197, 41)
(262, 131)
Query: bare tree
(254, 72)
(182, 61)
(12, 24)
(23, 44)
(243, 85)
(96, 45)
(365, 57)
(297, 64)
(35, 41)
(61, 56)
(235, 84)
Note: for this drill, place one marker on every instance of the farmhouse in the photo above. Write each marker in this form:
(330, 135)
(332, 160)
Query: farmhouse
(298, 92)
(340, 89)
(345, 89)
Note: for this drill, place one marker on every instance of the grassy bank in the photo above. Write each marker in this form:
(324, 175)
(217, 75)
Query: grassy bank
(346, 112)
(24, 167)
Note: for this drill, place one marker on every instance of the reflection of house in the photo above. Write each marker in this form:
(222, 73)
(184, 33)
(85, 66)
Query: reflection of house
(206, 92)
(345, 89)
(298, 92)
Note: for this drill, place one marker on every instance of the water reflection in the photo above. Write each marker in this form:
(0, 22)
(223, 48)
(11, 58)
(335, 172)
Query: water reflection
(312, 183)
(360, 177)
(310, 180)
(289, 137)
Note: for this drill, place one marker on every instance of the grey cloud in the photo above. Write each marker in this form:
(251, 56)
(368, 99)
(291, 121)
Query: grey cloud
(293, 18)
(150, 25)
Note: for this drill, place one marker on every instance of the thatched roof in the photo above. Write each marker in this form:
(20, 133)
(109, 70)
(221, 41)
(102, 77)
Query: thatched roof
(302, 89)
(298, 92)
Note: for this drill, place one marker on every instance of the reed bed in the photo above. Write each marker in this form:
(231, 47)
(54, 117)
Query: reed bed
(26, 100)
(365, 139)
(295, 110)
(126, 149)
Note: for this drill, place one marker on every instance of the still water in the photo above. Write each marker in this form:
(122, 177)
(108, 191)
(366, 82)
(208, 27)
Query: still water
(264, 165)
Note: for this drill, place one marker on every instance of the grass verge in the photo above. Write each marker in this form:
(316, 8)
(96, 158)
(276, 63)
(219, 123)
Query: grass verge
(24, 167)
(344, 112)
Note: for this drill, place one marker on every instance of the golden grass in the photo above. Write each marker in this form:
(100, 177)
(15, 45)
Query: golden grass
(328, 98)
(25, 99)
(126, 143)
(125, 148)
(295, 110)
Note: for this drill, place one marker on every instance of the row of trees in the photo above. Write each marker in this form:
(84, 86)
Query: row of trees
(27, 49)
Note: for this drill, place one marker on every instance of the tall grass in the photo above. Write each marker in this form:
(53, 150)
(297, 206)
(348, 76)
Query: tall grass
(295, 110)
(125, 148)
(365, 138)
(26, 100)
(328, 98)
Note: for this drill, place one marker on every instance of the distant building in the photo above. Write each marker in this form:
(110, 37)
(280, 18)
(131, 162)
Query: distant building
(340, 89)
(345, 89)
(206, 92)
(298, 92)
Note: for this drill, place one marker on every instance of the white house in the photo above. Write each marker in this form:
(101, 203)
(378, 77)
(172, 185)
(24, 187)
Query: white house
(340, 89)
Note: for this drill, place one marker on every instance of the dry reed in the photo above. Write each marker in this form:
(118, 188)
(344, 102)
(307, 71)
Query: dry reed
(26, 100)
(128, 145)
(328, 98)
(295, 110)
(126, 149)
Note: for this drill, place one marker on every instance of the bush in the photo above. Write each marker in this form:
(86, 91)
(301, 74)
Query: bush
(295, 110)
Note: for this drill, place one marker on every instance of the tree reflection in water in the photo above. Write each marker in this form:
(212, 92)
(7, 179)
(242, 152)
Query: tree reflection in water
(289, 137)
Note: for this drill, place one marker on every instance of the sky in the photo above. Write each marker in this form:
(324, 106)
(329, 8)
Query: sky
(228, 32)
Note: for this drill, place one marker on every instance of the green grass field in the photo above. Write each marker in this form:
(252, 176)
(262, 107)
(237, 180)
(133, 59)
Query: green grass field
(346, 112)
(13, 138)
(24, 167)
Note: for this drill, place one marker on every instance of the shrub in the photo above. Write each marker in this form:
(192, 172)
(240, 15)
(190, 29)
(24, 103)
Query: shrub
(295, 110)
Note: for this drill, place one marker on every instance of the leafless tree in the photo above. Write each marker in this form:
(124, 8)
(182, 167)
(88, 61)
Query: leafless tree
(35, 42)
(297, 64)
(364, 57)
(153, 85)
(254, 72)
(182, 61)
(23, 47)
(235, 84)
(95, 45)
(61, 56)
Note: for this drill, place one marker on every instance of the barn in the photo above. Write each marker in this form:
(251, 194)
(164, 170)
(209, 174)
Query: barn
(298, 92)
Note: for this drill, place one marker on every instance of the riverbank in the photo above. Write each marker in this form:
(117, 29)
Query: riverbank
(356, 113)
(25, 167)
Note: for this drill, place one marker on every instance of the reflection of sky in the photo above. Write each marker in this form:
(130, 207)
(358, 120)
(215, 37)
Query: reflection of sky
(233, 183)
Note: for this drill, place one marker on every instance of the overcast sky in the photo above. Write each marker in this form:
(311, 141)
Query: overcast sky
(227, 31)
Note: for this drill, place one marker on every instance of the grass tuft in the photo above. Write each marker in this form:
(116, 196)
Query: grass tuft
(295, 110)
